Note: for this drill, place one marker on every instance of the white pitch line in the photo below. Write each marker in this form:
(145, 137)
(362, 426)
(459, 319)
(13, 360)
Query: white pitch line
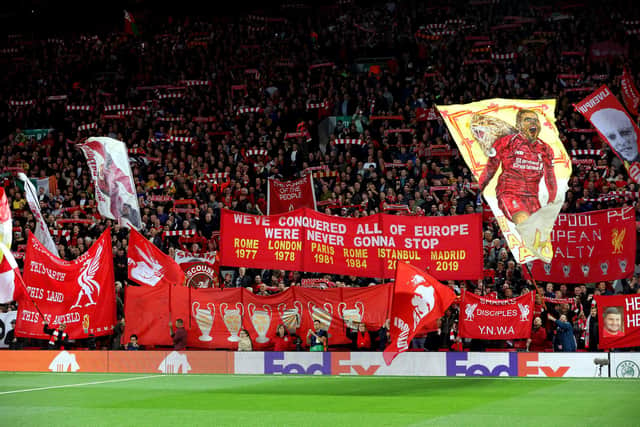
(80, 384)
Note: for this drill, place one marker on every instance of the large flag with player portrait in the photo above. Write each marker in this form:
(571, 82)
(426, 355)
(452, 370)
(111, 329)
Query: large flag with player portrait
(513, 149)
(615, 126)
(115, 191)
(79, 293)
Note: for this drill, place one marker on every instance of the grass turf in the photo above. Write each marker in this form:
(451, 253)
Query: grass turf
(185, 400)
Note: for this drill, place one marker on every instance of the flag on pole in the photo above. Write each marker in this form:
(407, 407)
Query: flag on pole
(115, 190)
(149, 266)
(418, 300)
(9, 273)
(130, 26)
(42, 231)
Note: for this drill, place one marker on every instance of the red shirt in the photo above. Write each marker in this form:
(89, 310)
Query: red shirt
(538, 339)
(364, 341)
(180, 339)
(282, 343)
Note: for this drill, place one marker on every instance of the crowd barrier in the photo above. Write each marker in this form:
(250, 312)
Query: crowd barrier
(584, 365)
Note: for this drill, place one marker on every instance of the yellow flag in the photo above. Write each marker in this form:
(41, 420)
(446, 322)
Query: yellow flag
(513, 149)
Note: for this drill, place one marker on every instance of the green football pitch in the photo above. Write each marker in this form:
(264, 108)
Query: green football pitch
(47, 399)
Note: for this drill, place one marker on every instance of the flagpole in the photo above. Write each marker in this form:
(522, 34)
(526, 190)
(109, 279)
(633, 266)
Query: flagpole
(535, 285)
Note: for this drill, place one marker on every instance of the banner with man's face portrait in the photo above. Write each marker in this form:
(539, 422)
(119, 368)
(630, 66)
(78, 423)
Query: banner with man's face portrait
(618, 321)
(513, 149)
(615, 126)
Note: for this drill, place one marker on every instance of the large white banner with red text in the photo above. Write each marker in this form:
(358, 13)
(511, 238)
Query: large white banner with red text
(287, 196)
(79, 293)
(493, 319)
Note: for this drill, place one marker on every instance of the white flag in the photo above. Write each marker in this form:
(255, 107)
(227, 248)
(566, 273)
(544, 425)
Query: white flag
(42, 231)
(115, 190)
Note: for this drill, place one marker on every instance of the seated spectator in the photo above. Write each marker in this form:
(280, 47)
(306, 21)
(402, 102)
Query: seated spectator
(245, 343)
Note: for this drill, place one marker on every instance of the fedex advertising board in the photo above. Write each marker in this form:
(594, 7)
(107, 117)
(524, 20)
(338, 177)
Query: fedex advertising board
(291, 363)
(524, 364)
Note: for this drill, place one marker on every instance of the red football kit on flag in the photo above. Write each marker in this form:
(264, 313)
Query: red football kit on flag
(523, 166)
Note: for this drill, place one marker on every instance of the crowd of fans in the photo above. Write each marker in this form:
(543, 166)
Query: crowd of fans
(296, 69)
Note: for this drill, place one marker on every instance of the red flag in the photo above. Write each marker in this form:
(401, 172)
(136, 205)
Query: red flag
(418, 299)
(287, 196)
(9, 272)
(495, 319)
(79, 293)
(630, 94)
(149, 266)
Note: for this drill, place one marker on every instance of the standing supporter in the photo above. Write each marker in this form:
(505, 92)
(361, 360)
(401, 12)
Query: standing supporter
(58, 338)
(179, 336)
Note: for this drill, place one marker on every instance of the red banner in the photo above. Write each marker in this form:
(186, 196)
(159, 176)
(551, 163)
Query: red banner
(304, 240)
(79, 293)
(418, 300)
(630, 94)
(619, 321)
(615, 126)
(201, 271)
(290, 195)
(591, 247)
(496, 319)
(148, 265)
(214, 317)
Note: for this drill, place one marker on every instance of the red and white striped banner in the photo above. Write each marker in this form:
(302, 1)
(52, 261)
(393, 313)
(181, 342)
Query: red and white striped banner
(587, 153)
(172, 95)
(79, 108)
(139, 108)
(399, 130)
(114, 107)
(396, 117)
(75, 221)
(244, 110)
(167, 184)
(216, 175)
(348, 141)
(256, 152)
(57, 98)
(22, 103)
(631, 22)
(325, 174)
(395, 207)
(188, 139)
(503, 56)
(160, 198)
(204, 119)
(395, 165)
(55, 41)
(291, 135)
(633, 31)
(569, 76)
(316, 105)
(580, 89)
(476, 61)
(88, 126)
(195, 82)
(170, 119)
(136, 151)
(321, 65)
(175, 233)
(9, 50)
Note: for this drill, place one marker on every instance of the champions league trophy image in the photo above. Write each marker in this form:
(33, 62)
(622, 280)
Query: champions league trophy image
(291, 317)
(204, 319)
(261, 319)
(232, 320)
(351, 316)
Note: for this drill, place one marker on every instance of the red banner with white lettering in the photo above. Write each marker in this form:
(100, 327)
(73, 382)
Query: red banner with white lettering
(213, 317)
(449, 247)
(630, 94)
(287, 196)
(496, 319)
(618, 321)
(418, 300)
(591, 247)
(79, 293)
(615, 126)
